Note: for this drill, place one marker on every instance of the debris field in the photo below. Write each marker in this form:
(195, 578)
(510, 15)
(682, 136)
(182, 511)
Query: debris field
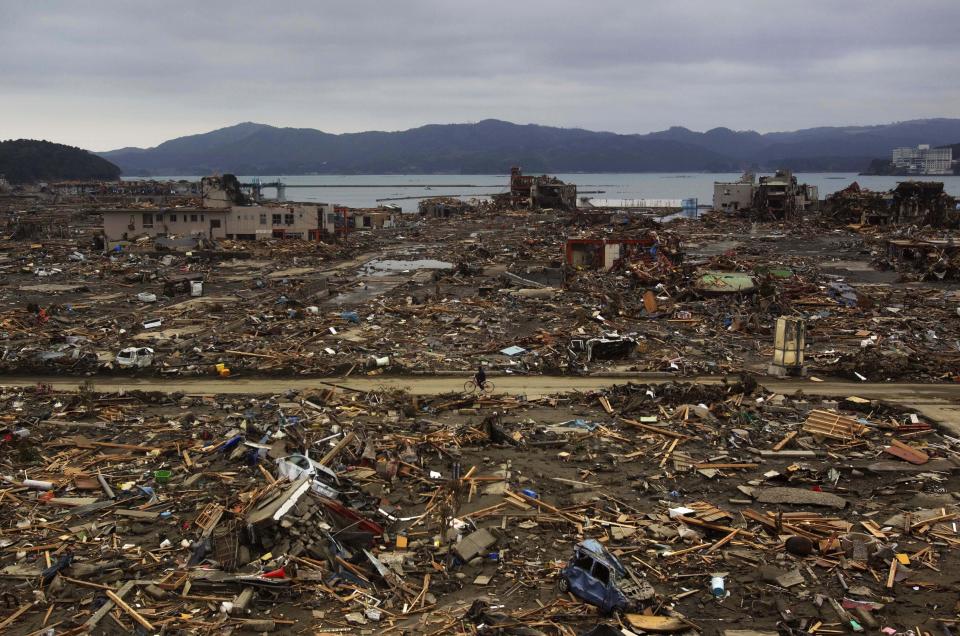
(336, 511)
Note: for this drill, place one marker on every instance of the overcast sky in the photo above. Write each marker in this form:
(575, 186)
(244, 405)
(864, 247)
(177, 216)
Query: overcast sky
(103, 75)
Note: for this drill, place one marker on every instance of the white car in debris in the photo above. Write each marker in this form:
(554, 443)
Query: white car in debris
(322, 481)
(138, 357)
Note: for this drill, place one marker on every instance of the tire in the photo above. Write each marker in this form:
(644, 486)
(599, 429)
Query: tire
(488, 387)
(469, 386)
(563, 584)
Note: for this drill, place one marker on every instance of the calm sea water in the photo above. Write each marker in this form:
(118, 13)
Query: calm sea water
(354, 191)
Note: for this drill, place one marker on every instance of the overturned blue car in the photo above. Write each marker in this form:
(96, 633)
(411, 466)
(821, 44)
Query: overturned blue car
(596, 577)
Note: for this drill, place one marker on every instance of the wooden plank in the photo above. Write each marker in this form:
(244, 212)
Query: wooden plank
(873, 529)
(906, 452)
(654, 429)
(892, 574)
(336, 450)
(108, 606)
(656, 623)
(139, 514)
(724, 541)
(712, 526)
(789, 436)
(833, 426)
(727, 466)
(10, 619)
(932, 520)
(134, 614)
(666, 455)
(706, 511)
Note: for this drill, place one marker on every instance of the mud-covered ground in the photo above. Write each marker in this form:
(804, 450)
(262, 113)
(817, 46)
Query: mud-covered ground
(539, 475)
(448, 295)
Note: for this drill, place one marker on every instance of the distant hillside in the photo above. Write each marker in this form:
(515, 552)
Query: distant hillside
(492, 146)
(30, 160)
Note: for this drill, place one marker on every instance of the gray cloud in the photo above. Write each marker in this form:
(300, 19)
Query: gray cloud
(104, 74)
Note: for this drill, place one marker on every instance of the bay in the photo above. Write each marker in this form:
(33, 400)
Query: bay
(362, 191)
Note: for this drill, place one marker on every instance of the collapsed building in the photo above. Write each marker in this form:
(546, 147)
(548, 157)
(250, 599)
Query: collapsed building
(538, 192)
(443, 207)
(610, 253)
(921, 203)
(343, 220)
(225, 211)
(932, 259)
(781, 197)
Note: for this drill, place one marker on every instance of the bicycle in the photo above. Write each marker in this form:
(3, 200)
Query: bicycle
(470, 386)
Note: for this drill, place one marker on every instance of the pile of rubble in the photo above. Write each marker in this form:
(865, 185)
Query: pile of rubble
(475, 286)
(673, 508)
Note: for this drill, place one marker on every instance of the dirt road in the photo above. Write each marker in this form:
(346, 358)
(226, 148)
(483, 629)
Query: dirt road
(940, 402)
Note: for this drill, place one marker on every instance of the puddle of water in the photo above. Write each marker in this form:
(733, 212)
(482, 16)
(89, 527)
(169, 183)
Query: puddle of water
(383, 267)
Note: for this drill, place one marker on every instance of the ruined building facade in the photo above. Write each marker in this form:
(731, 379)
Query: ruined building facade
(920, 203)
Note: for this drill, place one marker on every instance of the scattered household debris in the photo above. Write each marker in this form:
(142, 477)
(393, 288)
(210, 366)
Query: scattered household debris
(656, 510)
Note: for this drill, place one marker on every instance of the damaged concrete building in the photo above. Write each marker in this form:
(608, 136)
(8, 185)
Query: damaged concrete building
(781, 197)
(443, 207)
(225, 212)
(342, 220)
(254, 222)
(539, 192)
(609, 253)
(730, 196)
(921, 203)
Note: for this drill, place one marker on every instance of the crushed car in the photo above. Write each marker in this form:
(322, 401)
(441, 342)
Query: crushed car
(596, 577)
(135, 357)
(323, 480)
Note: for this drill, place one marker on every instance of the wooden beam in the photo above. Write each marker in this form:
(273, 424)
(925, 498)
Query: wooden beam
(134, 614)
(10, 619)
(654, 429)
(336, 450)
(106, 607)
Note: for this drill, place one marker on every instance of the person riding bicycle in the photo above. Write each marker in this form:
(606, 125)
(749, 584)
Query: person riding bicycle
(480, 377)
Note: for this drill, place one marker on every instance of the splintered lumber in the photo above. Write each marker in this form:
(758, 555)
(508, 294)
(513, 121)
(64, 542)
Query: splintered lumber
(543, 504)
(249, 354)
(712, 526)
(349, 437)
(906, 452)
(656, 623)
(134, 614)
(109, 605)
(892, 574)
(726, 466)
(724, 541)
(833, 426)
(666, 455)
(932, 520)
(10, 619)
(208, 518)
(706, 511)
(654, 429)
(788, 453)
(789, 436)
(873, 528)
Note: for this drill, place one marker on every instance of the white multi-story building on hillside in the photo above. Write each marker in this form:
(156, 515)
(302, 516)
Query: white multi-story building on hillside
(924, 160)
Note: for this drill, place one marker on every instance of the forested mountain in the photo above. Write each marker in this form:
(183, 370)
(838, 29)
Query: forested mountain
(492, 146)
(30, 160)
